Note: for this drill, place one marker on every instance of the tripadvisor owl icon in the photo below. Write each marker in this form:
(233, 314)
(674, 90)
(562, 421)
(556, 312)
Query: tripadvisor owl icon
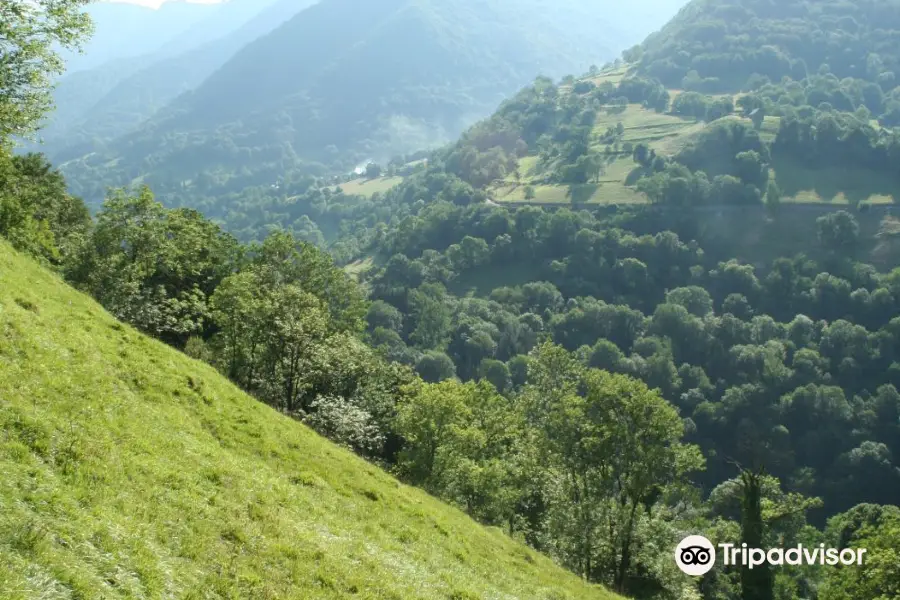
(695, 555)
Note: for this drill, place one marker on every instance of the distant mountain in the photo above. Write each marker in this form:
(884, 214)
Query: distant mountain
(344, 81)
(123, 30)
(225, 18)
(95, 106)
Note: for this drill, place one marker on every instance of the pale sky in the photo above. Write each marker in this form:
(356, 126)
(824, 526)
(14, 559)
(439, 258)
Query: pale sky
(158, 3)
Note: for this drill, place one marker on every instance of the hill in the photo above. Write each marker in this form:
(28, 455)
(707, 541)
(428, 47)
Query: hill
(98, 105)
(271, 109)
(126, 30)
(131, 470)
(815, 81)
(725, 42)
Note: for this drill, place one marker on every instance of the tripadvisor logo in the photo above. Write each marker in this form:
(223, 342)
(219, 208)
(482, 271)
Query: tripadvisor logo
(696, 555)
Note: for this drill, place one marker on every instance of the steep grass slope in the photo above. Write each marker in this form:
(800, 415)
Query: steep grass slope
(131, 471)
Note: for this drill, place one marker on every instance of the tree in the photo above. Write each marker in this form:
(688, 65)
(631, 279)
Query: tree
(32, 31)
(464, 442)
(296, 323)
(430, 315)
(268, 337)
(695, 299)
(612, 447)
(642, 154)
(879, 575)
(756, 583)
(758, 117)
(237, 312)
(718, 108)
(838, 232)
(751, 169)
(691, 104)
(773, 196)
(373, 171)
(496, 372)
(37, 215)
(428, 421)
(282, 259)
(153, 267)
(382, 314)
(435, 367)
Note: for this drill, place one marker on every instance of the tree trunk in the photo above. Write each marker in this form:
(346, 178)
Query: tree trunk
(756, 583)
(625, 562)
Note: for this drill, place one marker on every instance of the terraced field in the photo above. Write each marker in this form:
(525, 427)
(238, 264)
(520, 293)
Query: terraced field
(613, 75)
(368, 187)
(593, 193)
(662, 132)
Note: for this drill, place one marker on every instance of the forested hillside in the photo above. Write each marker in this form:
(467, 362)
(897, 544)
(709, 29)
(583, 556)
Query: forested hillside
(724, 42)
(272, 109)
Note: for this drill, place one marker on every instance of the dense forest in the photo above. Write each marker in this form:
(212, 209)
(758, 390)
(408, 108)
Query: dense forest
(720, 44)
(597, 383)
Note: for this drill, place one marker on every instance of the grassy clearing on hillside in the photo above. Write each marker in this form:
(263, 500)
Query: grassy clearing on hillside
(637, 120)
(368, 187)
(660, 131)
(613, 76)
(596, 193)
(358, 267)
(131, 471)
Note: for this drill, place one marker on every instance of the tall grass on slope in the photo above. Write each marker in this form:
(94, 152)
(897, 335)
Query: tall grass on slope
(130, 471)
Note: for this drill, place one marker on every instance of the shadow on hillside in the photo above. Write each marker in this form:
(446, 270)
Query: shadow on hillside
(636, 174)
(856, 184)
(582, 193)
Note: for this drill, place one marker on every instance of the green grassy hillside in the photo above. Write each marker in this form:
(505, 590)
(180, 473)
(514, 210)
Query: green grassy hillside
(132, 471)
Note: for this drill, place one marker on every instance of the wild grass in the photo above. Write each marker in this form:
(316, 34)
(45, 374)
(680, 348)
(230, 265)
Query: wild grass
(132, 471)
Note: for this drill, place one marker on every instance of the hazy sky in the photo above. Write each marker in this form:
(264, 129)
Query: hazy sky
(157, 3)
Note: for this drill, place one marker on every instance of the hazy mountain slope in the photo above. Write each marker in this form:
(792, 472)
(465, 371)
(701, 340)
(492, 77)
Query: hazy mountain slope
(402, 74)
(124, 30)
(157, 80)
(132, 471)
(78, 92)
(732, 39)
(229, 16)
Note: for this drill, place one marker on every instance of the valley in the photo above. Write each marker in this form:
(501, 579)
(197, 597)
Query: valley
(475, 300)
